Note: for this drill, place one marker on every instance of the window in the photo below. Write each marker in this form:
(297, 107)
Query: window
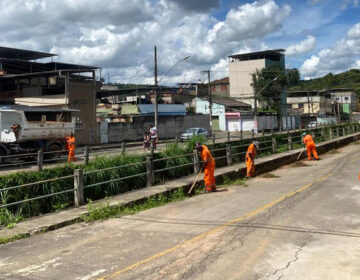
(346, 98)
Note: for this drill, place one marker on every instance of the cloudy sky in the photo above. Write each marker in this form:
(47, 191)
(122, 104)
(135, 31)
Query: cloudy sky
(320, 36)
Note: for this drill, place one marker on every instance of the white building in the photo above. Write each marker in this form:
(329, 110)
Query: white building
(241, 66)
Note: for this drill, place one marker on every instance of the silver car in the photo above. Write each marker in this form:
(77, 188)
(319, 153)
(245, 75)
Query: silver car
(191, 132)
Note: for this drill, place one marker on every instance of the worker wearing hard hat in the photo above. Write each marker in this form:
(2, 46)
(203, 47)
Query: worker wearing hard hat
(70, 142)
(310, 145)
(250, 159)
(208, 167)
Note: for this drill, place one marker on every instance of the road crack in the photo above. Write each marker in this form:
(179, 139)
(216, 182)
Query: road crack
(295, 259)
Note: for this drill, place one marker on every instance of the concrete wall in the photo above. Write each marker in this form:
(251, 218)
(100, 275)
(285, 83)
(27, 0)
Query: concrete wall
(240, 79)
(202, 107)
(82, 97)
(168, 127)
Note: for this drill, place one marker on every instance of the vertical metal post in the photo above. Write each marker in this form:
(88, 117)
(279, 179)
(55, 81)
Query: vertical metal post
(40, 160)
(196, 162)
(337, 132)
(228, 136)
(79, 187)
(155, 89)
(86, 155)
(213, 137)
(123, 147)
(228, 155)
(150, 171)
(343, 131)
(273, 142)
(241, 134)
(289, 141)
(252, 134)
(331, 133)
(263, 132)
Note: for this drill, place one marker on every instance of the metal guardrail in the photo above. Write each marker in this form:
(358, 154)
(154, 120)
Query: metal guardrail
(288, 140)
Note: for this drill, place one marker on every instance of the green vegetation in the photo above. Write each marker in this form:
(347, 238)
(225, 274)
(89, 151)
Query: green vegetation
(349, 79)
(231, 181)
(174, 162)
(4, 240)
(269, 83)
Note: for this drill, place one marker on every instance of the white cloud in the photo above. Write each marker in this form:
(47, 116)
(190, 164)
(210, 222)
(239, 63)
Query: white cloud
(120, 34)
(339, 58)
(303, 47)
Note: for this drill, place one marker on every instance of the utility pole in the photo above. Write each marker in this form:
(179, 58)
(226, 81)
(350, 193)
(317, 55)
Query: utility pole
(210, 101)
(155, 89)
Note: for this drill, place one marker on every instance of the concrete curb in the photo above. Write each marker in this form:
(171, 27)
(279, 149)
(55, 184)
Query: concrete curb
(60, 219)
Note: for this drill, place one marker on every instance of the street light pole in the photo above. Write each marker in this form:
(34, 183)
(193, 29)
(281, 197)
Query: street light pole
(255, 104)
(155, 89)
(210, 101)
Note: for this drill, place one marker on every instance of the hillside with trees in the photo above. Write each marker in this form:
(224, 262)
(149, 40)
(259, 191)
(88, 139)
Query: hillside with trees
(349, 79)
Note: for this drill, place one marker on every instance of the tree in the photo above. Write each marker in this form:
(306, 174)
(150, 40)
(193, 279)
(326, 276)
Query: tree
(269, 92)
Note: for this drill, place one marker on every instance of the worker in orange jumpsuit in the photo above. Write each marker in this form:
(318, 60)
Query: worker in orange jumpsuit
(310, 146)
(208, 167)
(250, 160)
(70, 142)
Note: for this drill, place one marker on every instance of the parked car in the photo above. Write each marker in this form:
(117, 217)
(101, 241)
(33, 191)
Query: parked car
(312, 124)
(191, 132)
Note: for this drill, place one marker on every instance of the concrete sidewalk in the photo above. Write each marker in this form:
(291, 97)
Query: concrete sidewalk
(60, 219)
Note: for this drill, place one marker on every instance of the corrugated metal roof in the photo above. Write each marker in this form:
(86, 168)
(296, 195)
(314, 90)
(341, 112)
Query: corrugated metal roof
(163, 109)
(34, 109)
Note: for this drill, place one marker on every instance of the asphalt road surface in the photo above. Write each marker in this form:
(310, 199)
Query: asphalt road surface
(302, 224)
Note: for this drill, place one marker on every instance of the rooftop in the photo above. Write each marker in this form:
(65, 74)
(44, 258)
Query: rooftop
(33, 109)
(258, 55)
(20, 54)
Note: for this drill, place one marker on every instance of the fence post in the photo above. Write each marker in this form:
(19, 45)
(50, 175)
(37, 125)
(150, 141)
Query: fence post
(150, 171)
(196, 161)
(241, 134)
(289, 141)
(263, 132)
(176, 139)
(343, 131)
(79, 187)
(322, 133)
(40, 160)
(228, 136)
(152, 148)
(123, 147)
(228, 155)
(331, 133)
(272, 131)
(252, 134)
(86, 155)
(337, 132)
(213, 137)
(273, 141)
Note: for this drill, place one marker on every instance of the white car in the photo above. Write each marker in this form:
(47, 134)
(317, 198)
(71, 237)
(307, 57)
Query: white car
(191, 132)
(312, 124)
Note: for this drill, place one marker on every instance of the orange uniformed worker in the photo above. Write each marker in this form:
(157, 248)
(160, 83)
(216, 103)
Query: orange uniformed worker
(250, 159)
(70, 142)
(208, 167)
(310, 146)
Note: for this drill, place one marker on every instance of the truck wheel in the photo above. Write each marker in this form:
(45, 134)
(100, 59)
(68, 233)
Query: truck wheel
(54, 151)
(2, 153)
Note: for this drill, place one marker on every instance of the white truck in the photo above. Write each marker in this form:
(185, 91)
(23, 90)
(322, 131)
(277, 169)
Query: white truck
(26, 129)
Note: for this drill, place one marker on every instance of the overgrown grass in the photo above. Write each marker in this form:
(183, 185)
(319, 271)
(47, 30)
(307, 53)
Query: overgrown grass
(231, 181)
(177, 167)
(102, 211)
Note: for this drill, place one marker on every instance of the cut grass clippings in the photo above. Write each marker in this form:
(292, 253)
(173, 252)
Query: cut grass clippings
(333, 151)
(299, 164)
(269, 175)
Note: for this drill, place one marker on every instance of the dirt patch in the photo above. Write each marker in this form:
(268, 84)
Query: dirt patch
(299, 164)
(269, 176)
(332, 152)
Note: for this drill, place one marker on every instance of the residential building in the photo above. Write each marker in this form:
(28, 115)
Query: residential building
(26, 81)
(219, 88)
(219, 109)
(346, 97)
(312, 103)
(242, 66)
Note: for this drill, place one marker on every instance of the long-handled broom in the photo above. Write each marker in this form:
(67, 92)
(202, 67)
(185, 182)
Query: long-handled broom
(196, 179)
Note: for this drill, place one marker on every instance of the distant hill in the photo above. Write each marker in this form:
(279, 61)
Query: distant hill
(349, 79)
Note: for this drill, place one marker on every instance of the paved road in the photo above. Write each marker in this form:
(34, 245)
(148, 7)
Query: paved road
(303, 224)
